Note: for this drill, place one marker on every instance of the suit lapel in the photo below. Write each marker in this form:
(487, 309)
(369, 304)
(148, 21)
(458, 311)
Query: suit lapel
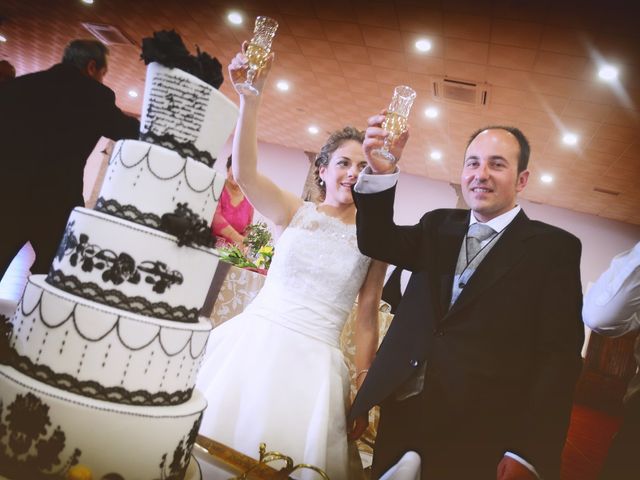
(502, 257)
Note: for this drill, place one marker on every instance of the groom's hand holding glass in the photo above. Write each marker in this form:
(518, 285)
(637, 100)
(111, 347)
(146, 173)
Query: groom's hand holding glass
(374, 140)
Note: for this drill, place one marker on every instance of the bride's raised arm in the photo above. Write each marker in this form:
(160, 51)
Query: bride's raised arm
(276, 204)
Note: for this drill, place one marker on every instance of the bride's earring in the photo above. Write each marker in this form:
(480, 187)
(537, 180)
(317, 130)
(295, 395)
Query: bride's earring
(321, 183)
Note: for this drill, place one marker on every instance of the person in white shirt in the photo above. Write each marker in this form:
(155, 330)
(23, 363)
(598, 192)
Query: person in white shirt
(478, 368)
(612, 308)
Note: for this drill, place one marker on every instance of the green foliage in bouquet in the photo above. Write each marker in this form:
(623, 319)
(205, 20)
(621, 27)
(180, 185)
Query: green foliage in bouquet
(258, 235)
(259, 249)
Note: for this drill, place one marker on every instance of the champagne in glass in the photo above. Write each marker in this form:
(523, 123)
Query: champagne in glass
(257, 52)
(395, 121)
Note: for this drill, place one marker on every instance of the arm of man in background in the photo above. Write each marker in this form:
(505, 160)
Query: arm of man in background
(612, 304)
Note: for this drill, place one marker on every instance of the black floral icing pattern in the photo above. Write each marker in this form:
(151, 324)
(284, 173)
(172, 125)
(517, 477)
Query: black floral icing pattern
(116, 299)
(184, 149)
(117, 267)
(31, 450)
(177, 467)
(189, 228)
(28, 450)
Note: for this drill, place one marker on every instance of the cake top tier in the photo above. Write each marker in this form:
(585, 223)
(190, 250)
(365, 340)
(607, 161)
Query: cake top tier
(180, 111)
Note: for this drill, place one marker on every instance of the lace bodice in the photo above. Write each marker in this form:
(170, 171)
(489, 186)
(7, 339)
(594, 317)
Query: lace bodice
(317, 269)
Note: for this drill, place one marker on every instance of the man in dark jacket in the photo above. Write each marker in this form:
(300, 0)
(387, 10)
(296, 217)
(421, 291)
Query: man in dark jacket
(50, 121)
(478, 368)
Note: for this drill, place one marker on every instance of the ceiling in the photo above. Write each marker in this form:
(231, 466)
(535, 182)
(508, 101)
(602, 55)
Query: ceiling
(537, 59)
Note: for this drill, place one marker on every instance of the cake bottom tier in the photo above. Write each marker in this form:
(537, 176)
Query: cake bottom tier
(45, 431)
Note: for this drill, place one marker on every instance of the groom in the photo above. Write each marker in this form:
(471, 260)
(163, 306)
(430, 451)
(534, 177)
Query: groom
(478, 368)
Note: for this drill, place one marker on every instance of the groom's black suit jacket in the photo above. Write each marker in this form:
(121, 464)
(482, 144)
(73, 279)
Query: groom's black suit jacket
(501, 364)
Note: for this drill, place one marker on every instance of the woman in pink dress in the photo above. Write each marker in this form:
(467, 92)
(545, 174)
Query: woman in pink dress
(233, 215)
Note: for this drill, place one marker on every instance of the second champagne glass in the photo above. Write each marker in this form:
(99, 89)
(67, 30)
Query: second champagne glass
(257, 52)
(395, 121)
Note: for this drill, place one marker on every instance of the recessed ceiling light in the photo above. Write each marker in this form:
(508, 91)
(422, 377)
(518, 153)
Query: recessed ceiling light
(546, 178)
(608, 73)
(3, 38)
(133, 93)
(423, 45)
(570, 138)
(283, 85)
(431, 112)
(88, 2)
(235, 18)
(436, 155)
(313, 129)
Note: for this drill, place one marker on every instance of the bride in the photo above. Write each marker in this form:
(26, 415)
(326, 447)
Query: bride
(275, 373)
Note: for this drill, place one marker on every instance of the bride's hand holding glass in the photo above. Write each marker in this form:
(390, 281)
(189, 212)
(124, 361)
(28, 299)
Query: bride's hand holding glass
(256, 52)
(240, 66)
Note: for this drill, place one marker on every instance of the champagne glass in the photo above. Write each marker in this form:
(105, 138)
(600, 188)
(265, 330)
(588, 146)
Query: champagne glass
(395, 121)
(257, 52)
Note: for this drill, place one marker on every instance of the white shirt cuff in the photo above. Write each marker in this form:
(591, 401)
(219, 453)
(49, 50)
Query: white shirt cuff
(517, 458)
(369, 182)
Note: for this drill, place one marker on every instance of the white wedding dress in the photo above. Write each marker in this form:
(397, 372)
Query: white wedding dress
(275, 373)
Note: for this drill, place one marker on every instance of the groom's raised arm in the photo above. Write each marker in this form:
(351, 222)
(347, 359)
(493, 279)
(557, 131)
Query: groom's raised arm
(378, 236)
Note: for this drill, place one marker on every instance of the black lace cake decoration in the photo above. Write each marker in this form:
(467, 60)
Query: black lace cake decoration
(167, 48)
(117, 299)
(188, 228)
(116, 268)
(184, 149)
(93, 389)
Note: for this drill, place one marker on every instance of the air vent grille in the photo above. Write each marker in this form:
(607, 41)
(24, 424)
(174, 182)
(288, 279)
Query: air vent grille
(108, 34)
(461, 91)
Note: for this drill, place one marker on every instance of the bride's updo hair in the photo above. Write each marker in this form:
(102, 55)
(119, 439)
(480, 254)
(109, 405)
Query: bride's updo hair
(335, 141)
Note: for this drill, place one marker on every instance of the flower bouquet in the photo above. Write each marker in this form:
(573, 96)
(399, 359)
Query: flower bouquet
(258, 252)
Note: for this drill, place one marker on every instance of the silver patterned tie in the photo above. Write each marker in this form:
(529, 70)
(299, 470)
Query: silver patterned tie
(478, 233)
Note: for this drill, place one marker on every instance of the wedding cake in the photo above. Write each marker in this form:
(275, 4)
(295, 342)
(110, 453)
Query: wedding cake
(100, 358)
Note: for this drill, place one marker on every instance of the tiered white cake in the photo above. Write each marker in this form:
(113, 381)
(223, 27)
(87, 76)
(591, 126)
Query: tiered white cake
(101, 355)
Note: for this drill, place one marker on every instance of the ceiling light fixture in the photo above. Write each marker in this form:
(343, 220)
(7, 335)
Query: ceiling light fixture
(133, 94)
(283, 85)
(436, 155)
(431, 112)
(235, 18)
(3, 38)
(313, 129)
(608, 73)
(546, 178)
(570, 138)
(88, 2)
(423, 45)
